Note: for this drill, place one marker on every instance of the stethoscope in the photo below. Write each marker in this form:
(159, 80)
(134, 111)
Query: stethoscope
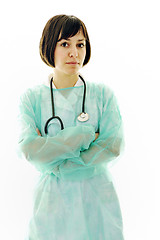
(83, 116)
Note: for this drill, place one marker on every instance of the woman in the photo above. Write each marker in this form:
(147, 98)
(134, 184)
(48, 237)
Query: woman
(75, 197)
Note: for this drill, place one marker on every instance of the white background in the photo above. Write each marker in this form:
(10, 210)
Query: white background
(125, 40)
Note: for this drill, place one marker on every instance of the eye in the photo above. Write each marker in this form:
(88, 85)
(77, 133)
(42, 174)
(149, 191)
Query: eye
(64, 44)
(81, 45)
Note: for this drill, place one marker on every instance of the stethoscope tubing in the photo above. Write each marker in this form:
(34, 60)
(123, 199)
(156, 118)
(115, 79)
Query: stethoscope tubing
(53, 109)
(84, 94)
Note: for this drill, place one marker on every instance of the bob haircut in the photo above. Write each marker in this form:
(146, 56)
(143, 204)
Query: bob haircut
(65, 26)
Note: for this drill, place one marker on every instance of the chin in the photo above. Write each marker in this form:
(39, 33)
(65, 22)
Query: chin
(72, 72)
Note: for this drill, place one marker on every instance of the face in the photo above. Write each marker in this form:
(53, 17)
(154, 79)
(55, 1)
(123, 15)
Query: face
(70, 54)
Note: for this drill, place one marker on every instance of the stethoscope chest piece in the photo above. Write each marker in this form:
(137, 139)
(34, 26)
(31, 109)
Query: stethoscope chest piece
(83, 117)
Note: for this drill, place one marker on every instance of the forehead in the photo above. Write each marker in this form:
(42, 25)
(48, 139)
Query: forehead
(78, 36)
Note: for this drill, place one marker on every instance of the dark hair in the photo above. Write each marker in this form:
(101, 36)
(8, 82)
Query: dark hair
(68, 26)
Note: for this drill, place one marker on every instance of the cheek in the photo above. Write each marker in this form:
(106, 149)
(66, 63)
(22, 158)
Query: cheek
(59, 56)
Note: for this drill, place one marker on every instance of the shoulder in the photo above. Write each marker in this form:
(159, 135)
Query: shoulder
(99, 90)
(34, 91)
(104, 95)
(31, 95)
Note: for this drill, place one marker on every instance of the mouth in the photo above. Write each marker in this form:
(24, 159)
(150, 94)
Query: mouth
(72, 63)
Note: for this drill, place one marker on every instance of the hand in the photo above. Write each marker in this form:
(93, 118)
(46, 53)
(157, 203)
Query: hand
(37, 130)
(96, 136)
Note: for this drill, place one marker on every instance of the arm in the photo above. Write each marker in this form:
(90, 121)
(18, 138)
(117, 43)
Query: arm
(110, 142)
(104, 150)
(46, 153)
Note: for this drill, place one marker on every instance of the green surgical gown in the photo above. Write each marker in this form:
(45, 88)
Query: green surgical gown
(75, 198)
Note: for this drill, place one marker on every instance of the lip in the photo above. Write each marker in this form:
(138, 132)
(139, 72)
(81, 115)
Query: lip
(72, 63)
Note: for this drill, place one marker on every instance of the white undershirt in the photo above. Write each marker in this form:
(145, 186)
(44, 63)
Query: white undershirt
(47, 83)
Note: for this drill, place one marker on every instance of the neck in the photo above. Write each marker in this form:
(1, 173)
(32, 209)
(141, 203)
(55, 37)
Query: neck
(62, 80)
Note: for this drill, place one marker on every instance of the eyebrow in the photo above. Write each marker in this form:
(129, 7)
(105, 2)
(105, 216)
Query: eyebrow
(79, 40)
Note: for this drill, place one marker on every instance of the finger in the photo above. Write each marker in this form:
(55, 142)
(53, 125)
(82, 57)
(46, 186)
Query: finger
(37, 130)
(96, 136)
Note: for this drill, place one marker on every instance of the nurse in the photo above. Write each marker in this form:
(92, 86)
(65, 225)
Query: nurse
(75, 198)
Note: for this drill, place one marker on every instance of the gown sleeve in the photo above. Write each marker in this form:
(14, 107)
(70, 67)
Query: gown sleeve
(110, 142)
(47, 153)
(107, 147)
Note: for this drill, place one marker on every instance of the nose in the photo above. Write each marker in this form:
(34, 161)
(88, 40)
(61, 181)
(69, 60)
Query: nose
(73, 52)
